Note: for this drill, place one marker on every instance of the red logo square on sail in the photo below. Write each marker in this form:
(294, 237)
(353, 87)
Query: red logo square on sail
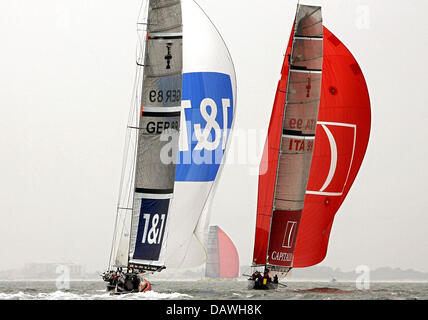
(283, 237)
(332, 158)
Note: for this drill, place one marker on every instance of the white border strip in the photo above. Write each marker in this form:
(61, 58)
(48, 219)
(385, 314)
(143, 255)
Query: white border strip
(298, 137)
(155, 196)
(306, 71)
(308, 38)
(166, 34)
(161, 109)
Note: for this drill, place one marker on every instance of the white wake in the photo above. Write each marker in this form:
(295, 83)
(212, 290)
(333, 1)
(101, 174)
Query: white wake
(64, 295)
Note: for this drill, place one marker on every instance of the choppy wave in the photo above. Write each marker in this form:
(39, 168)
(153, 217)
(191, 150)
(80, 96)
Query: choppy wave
(179, 290)
(64, 295)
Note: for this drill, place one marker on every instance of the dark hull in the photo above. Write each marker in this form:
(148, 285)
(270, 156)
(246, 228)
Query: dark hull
(129, 287)
(269, 286)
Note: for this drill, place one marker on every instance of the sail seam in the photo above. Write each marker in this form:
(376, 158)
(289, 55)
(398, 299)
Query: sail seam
(161, 114)
(297, 133)
(166, 5)
(311, 25)
(162, 75)
(304, 102)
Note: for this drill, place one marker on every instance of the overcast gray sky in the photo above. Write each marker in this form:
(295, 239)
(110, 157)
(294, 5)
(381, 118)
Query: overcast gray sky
(67, 70)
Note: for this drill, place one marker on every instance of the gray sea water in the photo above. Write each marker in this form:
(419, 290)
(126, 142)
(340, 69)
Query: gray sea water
(215, 290)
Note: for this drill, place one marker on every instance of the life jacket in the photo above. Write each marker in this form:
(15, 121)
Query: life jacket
(145, 286)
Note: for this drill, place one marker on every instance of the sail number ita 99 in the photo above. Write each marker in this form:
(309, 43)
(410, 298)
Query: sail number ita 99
(153, 228)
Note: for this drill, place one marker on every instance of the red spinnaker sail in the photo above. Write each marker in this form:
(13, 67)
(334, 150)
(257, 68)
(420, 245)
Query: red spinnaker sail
(229, 259)
(342, 136)
(269, 165)
(223, 259)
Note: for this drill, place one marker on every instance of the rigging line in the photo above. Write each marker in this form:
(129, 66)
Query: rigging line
(135, 158)
(121, 183)
(135, 114)
(180, 264)
(125, 157)
(311, 25)
(307, 16)
(132, 150)
(143, 2)
(130, 116)
(307, 59)
(187, 250)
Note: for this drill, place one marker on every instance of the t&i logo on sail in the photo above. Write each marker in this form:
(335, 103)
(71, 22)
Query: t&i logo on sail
(206, 118)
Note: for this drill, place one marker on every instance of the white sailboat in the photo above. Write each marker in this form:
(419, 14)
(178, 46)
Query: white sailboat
(178, 133)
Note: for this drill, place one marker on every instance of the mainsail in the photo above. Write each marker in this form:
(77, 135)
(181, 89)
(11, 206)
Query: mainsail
(141, 227)
(289, 148)
(188, 100)
(158, 133)
(317, 138)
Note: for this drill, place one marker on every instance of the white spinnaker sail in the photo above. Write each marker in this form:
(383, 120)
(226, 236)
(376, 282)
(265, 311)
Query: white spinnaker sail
(208, 78)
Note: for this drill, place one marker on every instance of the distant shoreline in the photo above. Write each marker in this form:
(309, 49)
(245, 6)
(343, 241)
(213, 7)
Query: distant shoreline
(237, 280)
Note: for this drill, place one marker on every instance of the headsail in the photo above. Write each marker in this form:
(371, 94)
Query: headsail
(290, 143)
(342, 137)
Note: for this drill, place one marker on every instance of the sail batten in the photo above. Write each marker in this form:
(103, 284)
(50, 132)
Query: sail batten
(159, 127)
